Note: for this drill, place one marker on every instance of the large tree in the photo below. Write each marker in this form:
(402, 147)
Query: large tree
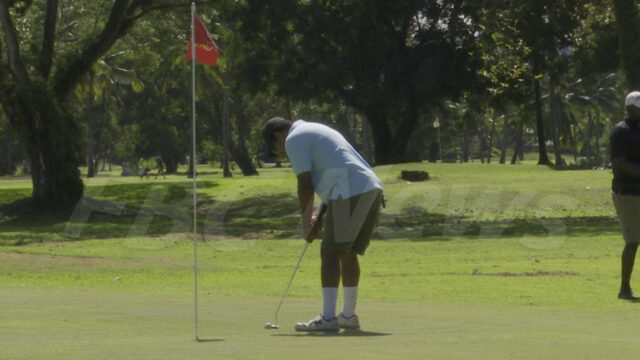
(39, 71)
(8, 148)
(392, 61)
(628, 20)
(546, 28)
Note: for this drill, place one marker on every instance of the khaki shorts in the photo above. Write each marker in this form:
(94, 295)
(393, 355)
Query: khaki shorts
(349, 223)
(628, 210)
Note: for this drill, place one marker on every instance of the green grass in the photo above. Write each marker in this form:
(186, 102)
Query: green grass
(53, 324)
(481, 262)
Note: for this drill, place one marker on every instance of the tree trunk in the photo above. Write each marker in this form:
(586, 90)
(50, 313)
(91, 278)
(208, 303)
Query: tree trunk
(405, 130)
(91, 171)
(517, 150)
(52, 140)
(242, 158)
(505, 138)
(241, 155)
(367, 143)
(465, 144)
(596, 128)
(543, 159)
(170, 162)
(226, 126)
(587, 142)
(191, 170)
(491, 135)
(572, 134)
(381, 137)
(8, 146)
(555, 120)
(98, 151)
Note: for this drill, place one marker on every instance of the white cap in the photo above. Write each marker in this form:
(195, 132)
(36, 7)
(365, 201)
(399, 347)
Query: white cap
(633, 98)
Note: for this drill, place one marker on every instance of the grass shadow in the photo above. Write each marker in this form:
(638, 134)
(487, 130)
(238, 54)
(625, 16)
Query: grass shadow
(157, 208)
(634, 301)
(269, 216)
(208, 340)
(146, 209)
(150, 209)
(440, 227)
(136, 194)
(10, 196)
(345, 333)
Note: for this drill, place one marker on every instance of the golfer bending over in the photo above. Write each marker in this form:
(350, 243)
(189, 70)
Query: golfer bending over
(625, 159)
(325, 163)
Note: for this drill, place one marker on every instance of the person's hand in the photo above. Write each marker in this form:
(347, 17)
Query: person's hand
(315, 224)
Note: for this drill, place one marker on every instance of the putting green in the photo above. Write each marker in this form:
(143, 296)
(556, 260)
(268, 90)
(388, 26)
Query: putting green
(76, 324)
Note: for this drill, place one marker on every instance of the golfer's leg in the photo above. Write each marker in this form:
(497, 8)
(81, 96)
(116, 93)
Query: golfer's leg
(330, 267)
(363, 220)
(350, 269)
(330, 277)
(628, 260)
(350, 280)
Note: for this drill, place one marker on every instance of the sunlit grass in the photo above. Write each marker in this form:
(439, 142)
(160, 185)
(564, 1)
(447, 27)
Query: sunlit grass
(481, 261)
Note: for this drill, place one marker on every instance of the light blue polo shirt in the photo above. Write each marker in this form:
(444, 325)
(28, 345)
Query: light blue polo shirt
(337, 169)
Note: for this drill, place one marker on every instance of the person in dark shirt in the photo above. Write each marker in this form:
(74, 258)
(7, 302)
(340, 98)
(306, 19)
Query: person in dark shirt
(625, 160)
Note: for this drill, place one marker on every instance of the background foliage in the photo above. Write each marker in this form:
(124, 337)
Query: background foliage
(405, 81)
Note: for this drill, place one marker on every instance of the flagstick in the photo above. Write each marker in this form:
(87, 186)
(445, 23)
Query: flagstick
(193, 161)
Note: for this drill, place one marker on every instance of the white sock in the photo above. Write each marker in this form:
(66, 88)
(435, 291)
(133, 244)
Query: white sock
(350, 295)
(329, 299)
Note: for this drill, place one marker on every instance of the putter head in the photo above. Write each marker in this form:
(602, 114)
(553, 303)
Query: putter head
(270, 325)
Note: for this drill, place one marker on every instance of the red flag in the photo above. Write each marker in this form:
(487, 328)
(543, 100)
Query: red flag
(206, 49)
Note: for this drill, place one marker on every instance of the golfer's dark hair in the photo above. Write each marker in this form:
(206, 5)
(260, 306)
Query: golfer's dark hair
(272, 126)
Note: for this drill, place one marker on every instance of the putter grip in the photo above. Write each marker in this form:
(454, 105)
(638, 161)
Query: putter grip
(321, 212)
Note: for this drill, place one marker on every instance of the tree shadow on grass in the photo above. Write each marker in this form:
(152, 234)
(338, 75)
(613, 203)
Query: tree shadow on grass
(9, 196)
(269, 216)
(155, 209)
(149, 192)
(150, 209)
(145, 209)
(441, 227)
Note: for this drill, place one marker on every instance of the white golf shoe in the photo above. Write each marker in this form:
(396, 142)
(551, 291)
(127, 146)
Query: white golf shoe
(318, 324)
(348, 323)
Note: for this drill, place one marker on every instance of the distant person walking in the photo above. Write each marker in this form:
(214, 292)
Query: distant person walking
(625, 160)
(325, 163)
(160, 167)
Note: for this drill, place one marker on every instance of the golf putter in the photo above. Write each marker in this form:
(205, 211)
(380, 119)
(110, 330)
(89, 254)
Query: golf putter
(274, 325)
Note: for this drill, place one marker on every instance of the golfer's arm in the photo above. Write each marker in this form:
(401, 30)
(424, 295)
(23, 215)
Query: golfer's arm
(305, 197)
(623, 166)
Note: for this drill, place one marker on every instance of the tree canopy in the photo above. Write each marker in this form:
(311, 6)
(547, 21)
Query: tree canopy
(82, 81)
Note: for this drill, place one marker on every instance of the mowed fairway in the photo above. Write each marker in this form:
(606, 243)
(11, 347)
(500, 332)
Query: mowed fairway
(481, 262)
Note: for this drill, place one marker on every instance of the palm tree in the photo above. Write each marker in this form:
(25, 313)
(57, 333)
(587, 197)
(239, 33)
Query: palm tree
(590, 97)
